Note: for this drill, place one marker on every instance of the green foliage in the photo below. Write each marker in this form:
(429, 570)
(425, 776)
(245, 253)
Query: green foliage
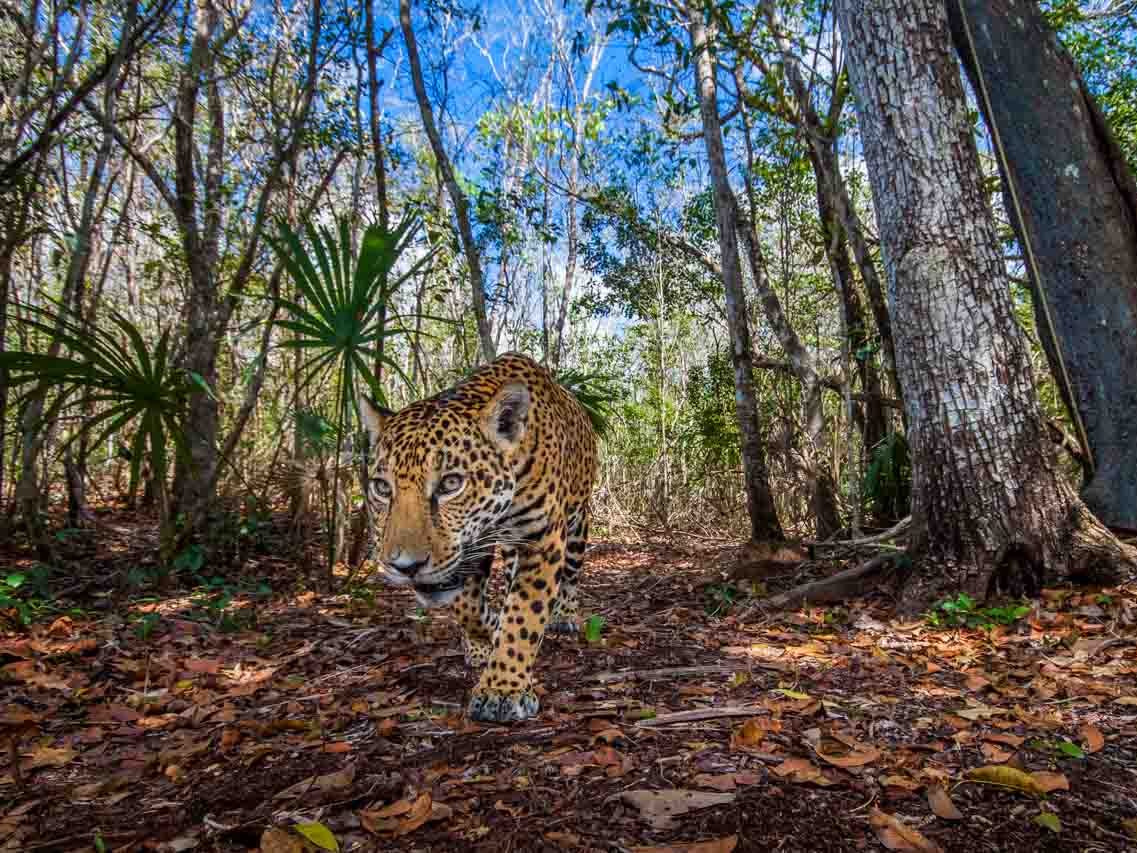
(8, 600)
(317, 433)
(594, 627)
(1104, 46)
(597, 393)
(963, 612)
(341, 315)
(887, 487)
(710, 401)
(146, 625)
(1061, 747)
(113, 370)
(722, 597)
(27, 597)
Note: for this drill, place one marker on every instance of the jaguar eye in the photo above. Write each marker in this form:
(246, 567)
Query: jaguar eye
(380, 489)
(451, 484)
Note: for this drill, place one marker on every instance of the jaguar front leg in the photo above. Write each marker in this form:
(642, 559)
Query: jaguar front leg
(474, 616)
(505, 692)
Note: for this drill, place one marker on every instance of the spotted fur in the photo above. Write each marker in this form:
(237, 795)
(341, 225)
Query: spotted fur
(505, 460)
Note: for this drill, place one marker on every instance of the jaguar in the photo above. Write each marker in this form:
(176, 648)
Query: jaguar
(504, 461)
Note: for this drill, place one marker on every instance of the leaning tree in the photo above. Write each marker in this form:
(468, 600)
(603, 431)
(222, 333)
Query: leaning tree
(991, 511)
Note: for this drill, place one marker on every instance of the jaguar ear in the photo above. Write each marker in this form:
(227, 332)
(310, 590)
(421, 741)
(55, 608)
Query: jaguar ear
(373, 416)
(505, 417)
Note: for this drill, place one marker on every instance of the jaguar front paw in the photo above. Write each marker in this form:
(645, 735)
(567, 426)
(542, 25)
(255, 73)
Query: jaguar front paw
(492, 706)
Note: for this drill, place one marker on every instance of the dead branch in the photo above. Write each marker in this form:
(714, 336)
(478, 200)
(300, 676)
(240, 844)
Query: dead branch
(702, 714)
(898, 529)
(660, 674)
(839, 587)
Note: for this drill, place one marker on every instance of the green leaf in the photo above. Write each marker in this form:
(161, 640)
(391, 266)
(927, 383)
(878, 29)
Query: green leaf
(319, 835)
(593, 628)
(15, 581)
(1071, 749)
(1050, 821)
(199, 380)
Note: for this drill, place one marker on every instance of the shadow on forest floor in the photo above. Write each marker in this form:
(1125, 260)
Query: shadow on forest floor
(337, 720)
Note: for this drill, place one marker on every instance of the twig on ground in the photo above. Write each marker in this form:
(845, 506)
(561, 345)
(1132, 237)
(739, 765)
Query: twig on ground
(701, 714)
(661, 674)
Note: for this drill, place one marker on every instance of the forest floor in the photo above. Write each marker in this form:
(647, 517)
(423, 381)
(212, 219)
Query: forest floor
(233, 717)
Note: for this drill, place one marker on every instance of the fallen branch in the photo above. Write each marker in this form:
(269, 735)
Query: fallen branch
(702, 714)
(898, 529)
(660, 674)
(839, 587)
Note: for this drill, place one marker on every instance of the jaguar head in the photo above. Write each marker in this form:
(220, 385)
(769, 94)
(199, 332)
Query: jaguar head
(440, 477)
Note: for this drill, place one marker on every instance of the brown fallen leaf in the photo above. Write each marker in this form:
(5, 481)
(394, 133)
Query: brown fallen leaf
(1130, 827)
(277, 840)
(717, 845)
(47, 756)
(904, 783)
(395, 809)
(405, 816)
(750, 733)
(897, 835)
(569, 840)
(801, 770)
(940, 802)
(856, 758)
(995, 753)
(327, 784)
(659, 808)
(1092, 737)
(719, 782)
(1048, 782)
(203, 666)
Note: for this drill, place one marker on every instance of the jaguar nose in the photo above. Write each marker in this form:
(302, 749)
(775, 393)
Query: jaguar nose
(408, 563)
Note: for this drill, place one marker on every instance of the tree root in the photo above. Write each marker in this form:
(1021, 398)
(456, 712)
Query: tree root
(849, 583)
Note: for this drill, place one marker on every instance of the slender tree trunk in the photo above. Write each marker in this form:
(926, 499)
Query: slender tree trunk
(874, 422)
(819, 483)
(200, 243)
(71, 300)
(374, 51)
(1079, 206)
(457, 197)
(764, 524)
(990, 508)
(572, 235)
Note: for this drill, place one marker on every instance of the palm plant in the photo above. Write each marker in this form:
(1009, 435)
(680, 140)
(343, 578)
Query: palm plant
(597, 393)
(111, 371)
(340, 314)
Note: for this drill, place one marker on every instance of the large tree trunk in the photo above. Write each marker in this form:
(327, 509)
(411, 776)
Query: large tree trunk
(764, 524)
(1079, 207)
(457, 197)
(990, 509)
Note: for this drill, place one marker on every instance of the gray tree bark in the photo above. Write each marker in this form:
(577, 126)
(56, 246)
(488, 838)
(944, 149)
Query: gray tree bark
(764, 524)
(1079, 208)
(990, 509)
